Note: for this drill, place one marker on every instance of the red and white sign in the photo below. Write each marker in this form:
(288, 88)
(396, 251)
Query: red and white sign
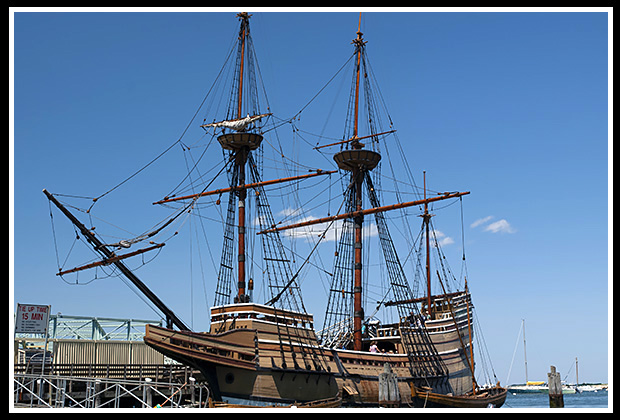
(32, 319)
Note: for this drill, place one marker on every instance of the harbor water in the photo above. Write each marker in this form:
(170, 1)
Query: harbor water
(540, 400)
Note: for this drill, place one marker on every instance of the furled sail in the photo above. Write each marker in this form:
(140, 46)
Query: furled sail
(238, 124)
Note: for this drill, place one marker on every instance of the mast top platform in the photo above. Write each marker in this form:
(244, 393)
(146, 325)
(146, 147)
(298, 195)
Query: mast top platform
(237, 141)
(244, 16)
(354, 159)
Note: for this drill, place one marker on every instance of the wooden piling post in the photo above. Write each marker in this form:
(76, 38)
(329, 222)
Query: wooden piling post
(389, 395)
(556, 399)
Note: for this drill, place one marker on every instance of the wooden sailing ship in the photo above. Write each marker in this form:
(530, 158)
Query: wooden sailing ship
(271, 352)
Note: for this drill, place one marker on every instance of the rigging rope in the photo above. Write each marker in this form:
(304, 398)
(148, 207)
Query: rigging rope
(323, 88)
(321, 237)
(464, 263)
(132, 175)
(95, 199)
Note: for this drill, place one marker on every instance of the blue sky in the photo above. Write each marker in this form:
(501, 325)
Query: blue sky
(510, 106)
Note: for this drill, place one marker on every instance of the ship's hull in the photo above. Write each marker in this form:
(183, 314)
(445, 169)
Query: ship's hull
(232, 373)
(233, 378)
(248, 363)
(453, 346)
(255, 358)
(258, 353)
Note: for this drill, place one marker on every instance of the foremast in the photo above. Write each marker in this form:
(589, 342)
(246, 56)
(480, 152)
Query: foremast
(239, 143)
(241, 150)
(240, 137)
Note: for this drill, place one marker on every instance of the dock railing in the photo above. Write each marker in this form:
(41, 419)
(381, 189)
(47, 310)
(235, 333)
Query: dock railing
(55, 391)
(159, 372)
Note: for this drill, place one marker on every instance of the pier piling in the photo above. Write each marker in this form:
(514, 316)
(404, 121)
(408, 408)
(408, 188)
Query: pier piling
(389, 395)
(556, 400)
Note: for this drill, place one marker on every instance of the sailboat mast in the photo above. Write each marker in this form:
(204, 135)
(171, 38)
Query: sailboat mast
(576, 371)
(524, 351)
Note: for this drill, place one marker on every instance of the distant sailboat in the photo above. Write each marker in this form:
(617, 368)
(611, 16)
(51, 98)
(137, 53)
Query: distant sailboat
(533, 387)
(529, 387)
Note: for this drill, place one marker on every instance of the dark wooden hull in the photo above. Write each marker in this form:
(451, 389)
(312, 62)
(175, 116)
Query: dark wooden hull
(258, 353)
(230, 366)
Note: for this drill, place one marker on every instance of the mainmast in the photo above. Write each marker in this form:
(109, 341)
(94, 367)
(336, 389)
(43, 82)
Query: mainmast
(427, 218)
(345, 297)
(358, 162)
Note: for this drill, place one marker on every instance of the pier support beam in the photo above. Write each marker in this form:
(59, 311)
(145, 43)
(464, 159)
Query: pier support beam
(556, 399)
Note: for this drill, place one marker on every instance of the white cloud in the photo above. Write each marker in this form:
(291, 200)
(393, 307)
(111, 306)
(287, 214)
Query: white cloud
(480, 221)
(501, 226)
(446, 241)
(332, 234)
(288, 212)
(438, 237)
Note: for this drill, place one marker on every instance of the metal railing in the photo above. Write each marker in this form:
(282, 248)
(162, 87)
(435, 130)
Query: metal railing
(166, 372)
(55, 391)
